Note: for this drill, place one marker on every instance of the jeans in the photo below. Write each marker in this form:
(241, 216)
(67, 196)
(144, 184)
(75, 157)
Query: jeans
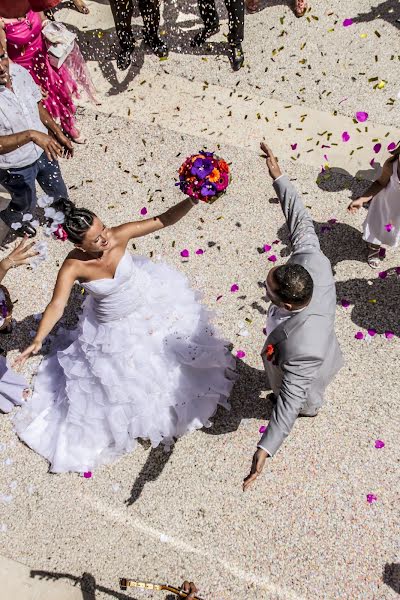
(235, 8)
(20, 183)
(122, 11)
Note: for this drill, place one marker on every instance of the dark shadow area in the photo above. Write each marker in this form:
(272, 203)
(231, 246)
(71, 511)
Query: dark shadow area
(151, 470)
(388, 11)
(391, 576)
(86, 582)
(337, 179)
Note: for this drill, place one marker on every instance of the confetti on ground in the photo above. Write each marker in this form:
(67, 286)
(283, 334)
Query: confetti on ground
(234, 287)
(379, 444)
(371, 498)
(240, 354)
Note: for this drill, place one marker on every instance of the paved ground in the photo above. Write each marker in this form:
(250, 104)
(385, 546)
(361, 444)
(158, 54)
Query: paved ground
(306, 530)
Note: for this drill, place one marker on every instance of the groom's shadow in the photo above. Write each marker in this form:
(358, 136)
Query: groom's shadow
(245, 404)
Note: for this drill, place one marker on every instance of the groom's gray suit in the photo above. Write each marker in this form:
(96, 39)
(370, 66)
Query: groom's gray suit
(306, 354)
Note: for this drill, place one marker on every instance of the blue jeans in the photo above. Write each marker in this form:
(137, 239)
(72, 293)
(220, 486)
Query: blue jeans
(20, 183)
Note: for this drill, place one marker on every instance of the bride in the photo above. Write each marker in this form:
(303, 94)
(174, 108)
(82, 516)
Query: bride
(143, 362)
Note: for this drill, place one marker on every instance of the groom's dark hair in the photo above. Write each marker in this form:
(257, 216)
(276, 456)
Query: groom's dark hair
(295, 284)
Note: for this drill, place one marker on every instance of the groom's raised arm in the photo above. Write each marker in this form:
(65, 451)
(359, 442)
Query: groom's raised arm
(299, 221)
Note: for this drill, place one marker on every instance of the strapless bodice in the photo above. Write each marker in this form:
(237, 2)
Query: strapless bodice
(116, 298)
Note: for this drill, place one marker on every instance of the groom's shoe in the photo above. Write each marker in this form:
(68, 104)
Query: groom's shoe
(236, 56)
(157, 45)
(272, 398)
(124, 58)
(309, 413)
(202, 36)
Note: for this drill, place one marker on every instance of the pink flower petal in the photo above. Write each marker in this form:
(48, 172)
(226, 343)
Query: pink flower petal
(267, 247)
(263, 428)
(372, 162)
(218, 298)
(372, 332)
(345, 303)
(185, 253)
(272, 258)
(143, 211)
(389, 335)
(345, 136)
(397, 269)
(347, 22)
(240, 354)
(382, 274)
(389, 227)
(379, 444)
(276, 242)
(359, 335)
(234, 287)
(361, 116)
(199, 251)
(391, 146)
(377, 148)
(371, 498)
(293, 146)
(87, 474)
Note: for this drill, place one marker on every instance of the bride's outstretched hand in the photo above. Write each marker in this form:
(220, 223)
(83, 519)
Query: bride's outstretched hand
(23, 357)
(272, 161)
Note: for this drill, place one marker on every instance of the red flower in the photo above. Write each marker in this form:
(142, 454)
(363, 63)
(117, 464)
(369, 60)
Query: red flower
(270, 352)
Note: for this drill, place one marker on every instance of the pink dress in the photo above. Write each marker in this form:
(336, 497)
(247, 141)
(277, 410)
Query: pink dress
(26, 46)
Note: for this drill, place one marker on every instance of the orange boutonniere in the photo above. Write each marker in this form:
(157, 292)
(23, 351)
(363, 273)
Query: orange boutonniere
(270, 352)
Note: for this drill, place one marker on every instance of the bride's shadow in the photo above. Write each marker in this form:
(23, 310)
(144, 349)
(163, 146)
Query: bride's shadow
(245, 404)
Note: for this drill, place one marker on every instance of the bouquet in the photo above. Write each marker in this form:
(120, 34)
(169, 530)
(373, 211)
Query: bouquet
(204, 176)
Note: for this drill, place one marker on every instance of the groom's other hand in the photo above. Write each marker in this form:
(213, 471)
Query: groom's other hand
(272, 162)
(257, 466)
(190, 589)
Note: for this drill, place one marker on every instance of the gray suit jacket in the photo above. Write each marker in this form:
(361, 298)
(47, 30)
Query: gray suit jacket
(306, 354)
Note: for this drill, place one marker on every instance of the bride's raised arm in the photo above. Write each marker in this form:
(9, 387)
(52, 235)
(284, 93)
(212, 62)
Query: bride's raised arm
(136, 229)
(54, 310)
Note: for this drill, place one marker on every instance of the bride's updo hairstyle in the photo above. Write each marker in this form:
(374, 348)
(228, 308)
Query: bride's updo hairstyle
(77, 220)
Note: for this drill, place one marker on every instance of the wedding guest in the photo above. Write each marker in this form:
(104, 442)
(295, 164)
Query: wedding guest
(122, 11)
(209, 15)
(26, 46)
(382, 224)
(301, 354)
(13, 387)
(300, 7)
(27, 152)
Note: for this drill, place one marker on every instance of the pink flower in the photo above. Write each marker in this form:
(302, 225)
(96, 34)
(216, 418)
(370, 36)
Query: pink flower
(361, 116)
(60, 233)
(371, 498)
(391, 146)
(345, 136)
(267, 247)
(222, 182)
(234, 287)
(347, 22)
(389, 227)
(185, 253)
(379, 444)
(389, 335)
(263, 428)
(359, 335)
(143, 211)
(87, 474)
(345, 303)
(272, 258)
(199, 251)
(240, 354)
(377, 148)
(372, 162)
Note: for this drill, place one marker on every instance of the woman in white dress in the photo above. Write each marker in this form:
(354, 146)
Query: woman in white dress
(382, 225)
(143, 361)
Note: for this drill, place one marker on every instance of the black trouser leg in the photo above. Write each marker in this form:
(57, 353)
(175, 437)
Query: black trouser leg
(150, 11)
(236, 20)
(208, 13)
(122, 11)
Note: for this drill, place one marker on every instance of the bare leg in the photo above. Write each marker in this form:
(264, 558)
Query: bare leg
(81, 7)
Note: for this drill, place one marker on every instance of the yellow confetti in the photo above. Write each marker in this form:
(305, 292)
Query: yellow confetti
(363, 35)
(381, 85)
(100, 34)
(372, 301)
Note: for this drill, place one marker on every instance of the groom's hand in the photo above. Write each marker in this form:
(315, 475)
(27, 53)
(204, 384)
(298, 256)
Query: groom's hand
(257, 466)
(272, 162)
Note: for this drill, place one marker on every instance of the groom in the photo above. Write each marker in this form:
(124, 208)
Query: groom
(301, 354)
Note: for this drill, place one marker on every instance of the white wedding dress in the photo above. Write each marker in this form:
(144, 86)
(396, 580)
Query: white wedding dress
(143, 362)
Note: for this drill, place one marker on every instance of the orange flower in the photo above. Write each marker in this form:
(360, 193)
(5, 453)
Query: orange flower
(270, 351)
(223, 166)
(214, 175)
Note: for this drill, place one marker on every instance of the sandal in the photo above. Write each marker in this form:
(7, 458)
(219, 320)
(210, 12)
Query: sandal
(81, 7)
(252, 6)
(374, 258)
(300, 8)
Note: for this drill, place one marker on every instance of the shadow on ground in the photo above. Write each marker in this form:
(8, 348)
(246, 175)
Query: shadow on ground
(86, 582)
(391, 576)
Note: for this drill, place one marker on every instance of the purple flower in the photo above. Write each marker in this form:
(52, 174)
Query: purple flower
(389, 335)
(391, 146)
(208, 189)
(389, 227)
(201, 168)
(359, 335)
(234, 287)
(371, 498)
(87, 474)
(199, 251)
(267, 247)
(345, 303)
(272, 258)
(372, 332)
(240, 354)
(377, 148)
(382, 274)
(347, 22)
(263, 428)
(185, 253)
(379, 444)
(143, 211)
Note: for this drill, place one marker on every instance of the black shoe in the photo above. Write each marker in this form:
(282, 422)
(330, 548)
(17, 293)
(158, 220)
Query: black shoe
(159, 47)
(7, 330)
(236, 56)
(203, 35)
(272, 398)
(124, 59)
(26, 229)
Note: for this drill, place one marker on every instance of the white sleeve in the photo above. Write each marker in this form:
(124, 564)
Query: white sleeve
(30, 86)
